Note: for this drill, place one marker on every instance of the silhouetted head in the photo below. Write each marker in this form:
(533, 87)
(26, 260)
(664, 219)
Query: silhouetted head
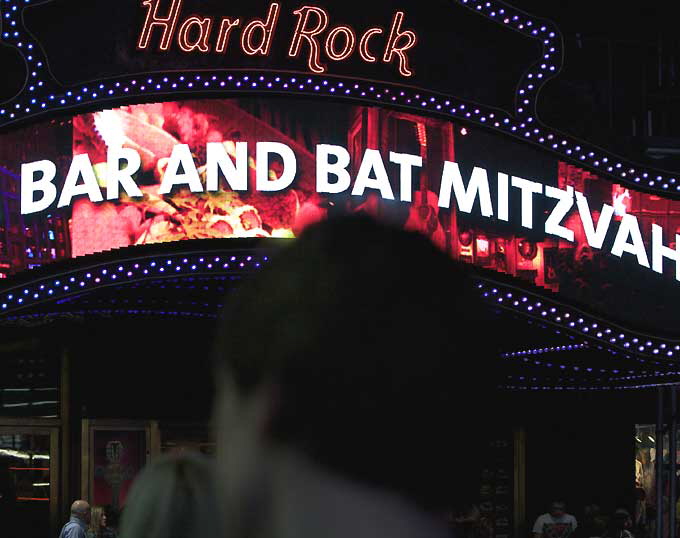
(174, 497)
(365, 349)
(558, 508)
(81, 510)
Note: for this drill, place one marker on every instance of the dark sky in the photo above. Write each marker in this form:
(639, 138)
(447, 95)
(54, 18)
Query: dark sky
(620, 20)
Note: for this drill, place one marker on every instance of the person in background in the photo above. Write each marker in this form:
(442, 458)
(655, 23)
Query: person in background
(97, 520)
(620, 526)
(80, 519)
(594, 523)
(640, 521)
(174, 497)
(99, 524)
(112, 520)
(340, 367)
(555, 523)
(651, 521)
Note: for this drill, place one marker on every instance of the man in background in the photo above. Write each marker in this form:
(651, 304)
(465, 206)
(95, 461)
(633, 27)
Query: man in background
(77, 525)
(354, 379)
(556, 523)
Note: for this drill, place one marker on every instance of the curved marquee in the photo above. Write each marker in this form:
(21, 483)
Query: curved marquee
(385, 57)
(42, 93)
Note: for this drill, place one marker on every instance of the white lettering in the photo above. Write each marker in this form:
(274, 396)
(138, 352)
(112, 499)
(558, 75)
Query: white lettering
(629, 227)
(503, 197)
(465, 198)
(264, 149)
(528, 188)
(324, 169)
(116, 177)
(565, 203)
(595, 237)
(373, 163)
(181, 156)
(660, 251)
(406, 164)
(29, 186)
(80, 166)
(217, 159)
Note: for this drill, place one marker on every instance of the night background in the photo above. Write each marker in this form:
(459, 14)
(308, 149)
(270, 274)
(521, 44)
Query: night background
(580, 421)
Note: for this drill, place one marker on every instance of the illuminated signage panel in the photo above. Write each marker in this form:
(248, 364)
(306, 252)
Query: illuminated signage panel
(439, 48)
(269, 167)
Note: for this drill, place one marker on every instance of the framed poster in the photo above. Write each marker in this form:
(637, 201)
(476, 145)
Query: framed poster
(114, 452)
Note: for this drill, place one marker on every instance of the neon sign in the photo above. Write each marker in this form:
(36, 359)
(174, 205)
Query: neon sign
(313, 38)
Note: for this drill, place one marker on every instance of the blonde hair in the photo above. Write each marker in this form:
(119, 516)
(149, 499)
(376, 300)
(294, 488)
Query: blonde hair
(173, 497)
(96, 514)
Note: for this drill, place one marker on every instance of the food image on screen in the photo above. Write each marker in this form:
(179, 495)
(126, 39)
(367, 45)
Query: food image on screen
(153, 130)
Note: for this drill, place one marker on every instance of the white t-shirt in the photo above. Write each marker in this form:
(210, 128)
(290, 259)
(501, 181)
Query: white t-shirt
(550, 527)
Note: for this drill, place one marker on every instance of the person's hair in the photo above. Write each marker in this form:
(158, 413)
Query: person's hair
(621, 516)
(378, 348)
(96, 513)
(173, 497)
(617, 523)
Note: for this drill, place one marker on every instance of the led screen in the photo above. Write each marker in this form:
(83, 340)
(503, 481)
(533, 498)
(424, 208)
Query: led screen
(254, 167)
